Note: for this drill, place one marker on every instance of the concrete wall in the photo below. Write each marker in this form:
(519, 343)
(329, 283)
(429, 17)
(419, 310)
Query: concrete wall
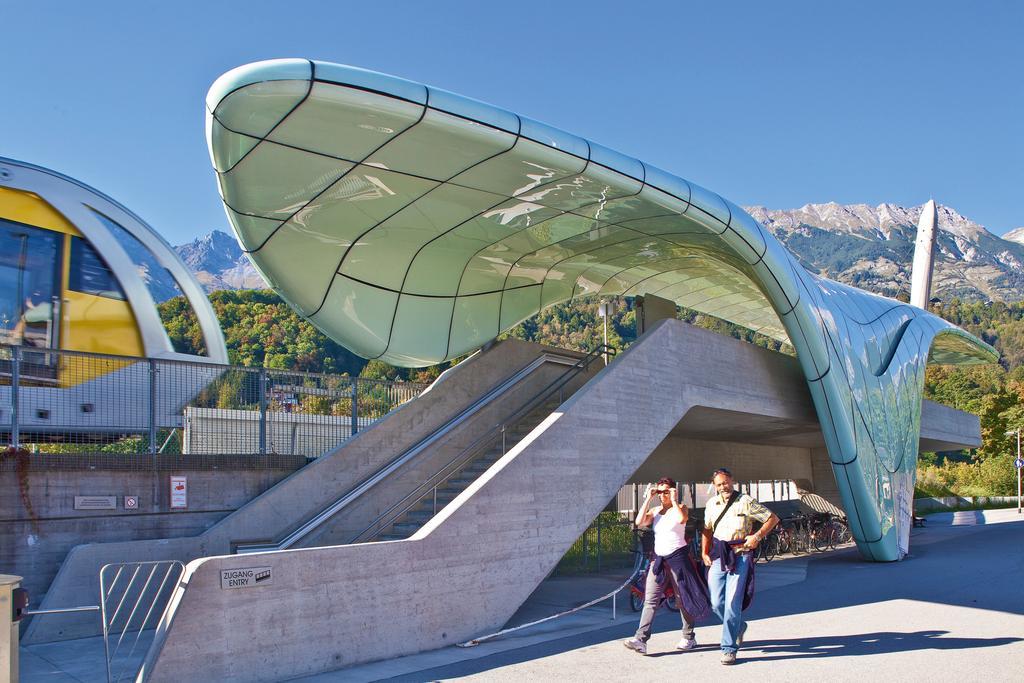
(468, 570)
(948, 429)
(946, 503)
(302, 495)
(35, 540)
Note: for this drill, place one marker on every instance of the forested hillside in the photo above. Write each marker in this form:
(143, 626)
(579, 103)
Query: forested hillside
(260, 329)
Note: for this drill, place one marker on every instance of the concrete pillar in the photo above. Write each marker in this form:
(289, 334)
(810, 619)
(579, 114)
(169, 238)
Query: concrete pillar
(8, 629)
(924, 252)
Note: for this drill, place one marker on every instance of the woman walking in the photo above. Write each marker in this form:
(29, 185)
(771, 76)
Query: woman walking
(672, 565)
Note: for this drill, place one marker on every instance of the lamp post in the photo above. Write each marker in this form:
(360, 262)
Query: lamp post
(1019, 464)
(605, 310)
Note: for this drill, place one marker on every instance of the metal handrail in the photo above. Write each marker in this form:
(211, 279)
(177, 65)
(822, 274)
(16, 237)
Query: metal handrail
(479, 445)
(61, 610)
(371, 481)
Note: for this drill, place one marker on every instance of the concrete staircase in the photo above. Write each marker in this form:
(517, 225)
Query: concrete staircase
(428, 505)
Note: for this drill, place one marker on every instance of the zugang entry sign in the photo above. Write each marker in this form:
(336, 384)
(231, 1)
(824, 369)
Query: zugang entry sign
(246, 577)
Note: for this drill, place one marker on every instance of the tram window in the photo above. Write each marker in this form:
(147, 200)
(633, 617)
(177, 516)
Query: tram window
(29, 267)
(159, 281)
(89, 274)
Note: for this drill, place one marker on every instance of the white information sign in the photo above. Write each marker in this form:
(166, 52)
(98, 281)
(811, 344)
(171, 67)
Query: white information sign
(179, 491)
(95, 502)
(246, 577)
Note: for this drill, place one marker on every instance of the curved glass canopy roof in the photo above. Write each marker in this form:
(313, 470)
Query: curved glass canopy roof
(414, 225)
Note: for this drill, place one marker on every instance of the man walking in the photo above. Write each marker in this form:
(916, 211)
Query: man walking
(726, 545)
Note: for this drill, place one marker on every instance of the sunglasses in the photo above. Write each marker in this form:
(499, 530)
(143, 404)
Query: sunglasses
(665, 492)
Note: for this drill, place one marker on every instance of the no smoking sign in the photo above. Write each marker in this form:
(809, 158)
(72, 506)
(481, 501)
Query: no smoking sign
(131, 502)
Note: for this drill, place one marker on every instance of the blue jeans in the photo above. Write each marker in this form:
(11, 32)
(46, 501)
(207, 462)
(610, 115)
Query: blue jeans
(727, 598)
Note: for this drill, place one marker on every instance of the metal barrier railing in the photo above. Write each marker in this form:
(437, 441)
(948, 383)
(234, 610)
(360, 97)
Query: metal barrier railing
(133, 599)
(73, 402)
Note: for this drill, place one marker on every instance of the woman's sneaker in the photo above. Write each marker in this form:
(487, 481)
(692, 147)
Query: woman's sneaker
(686, 644)
(636, 644)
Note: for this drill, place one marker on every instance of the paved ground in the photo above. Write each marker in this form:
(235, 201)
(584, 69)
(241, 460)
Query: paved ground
(954, 608)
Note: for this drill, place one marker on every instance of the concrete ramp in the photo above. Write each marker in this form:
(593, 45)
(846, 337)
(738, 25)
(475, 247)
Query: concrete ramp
(467, 570)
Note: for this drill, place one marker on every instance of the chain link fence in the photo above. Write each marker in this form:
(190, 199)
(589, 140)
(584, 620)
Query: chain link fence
(72, 402)
(607, 544)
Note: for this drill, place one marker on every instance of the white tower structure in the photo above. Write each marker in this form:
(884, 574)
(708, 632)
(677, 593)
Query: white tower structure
(924, 252)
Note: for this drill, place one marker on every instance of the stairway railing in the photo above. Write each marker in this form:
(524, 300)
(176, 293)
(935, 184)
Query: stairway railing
(479, 446)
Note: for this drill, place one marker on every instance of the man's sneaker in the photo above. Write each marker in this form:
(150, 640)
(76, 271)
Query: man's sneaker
(637, 645)
(728, 658)
(686, 644)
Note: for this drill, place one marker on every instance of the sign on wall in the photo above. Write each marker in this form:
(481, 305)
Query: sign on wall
(179, 491)
(95, 502)
(246, 577)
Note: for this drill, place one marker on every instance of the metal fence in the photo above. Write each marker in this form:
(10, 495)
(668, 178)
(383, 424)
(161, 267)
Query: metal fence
(73, 402)
(607, 544)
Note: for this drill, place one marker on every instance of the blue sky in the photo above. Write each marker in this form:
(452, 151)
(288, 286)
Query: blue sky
(779, 104)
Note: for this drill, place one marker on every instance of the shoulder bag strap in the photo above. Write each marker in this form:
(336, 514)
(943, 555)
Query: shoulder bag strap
(732, 499)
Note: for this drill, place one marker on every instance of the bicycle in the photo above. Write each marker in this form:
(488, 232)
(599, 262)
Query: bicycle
(838, 532)
(791, 535)
(843, 534)
(822, 532)
(769, 548)
(644, 552)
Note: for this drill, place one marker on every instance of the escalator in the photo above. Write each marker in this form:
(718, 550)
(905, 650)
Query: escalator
(419, 481)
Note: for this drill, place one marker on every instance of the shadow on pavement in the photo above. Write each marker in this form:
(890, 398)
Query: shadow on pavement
(976, 570)
(878, 643)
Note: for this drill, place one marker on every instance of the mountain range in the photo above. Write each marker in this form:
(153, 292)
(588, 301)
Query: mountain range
(871, 247)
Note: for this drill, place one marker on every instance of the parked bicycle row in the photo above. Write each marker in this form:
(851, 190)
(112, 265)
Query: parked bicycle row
(804, 533)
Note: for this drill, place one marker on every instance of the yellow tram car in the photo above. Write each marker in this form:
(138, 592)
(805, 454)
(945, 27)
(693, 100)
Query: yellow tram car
(79, 272)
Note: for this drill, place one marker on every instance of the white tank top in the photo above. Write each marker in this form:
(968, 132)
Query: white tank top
(669, 535)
